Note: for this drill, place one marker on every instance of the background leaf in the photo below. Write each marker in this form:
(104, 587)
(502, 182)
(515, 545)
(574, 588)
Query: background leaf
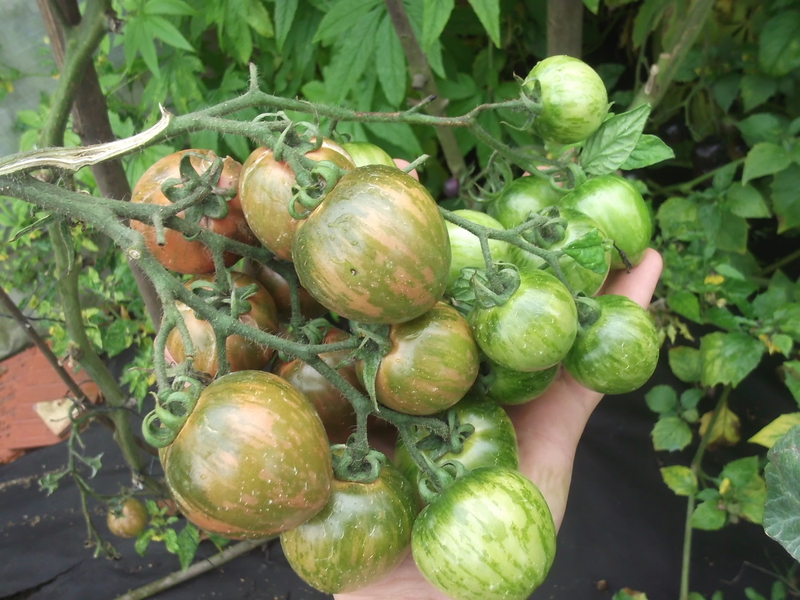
(488, 12)
(782, 506)
(681, 480)
(728, 357)
(436, 13)
(611, 145)
(765, 158)
(779, 44)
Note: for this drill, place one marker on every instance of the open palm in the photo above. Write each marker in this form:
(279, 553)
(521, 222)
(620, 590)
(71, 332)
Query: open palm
(548, 430)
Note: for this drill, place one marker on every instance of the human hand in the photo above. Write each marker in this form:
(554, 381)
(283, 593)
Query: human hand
(548, 430)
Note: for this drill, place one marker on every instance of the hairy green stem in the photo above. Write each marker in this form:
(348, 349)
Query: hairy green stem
(695, 466)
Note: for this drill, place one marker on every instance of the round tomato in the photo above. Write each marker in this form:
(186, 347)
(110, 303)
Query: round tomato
(617, 353)
(520, 198)
(265, 188)
(362, 533)
(252, 459)
(574, 99)
(466, 247)
(179, 254)
(334, 409)
(493, 443)
(579, 278)
(376, 249)
(129, 520)
(364, 153)
(535, 327)
(507, 386)
(432, 363)
(278, 288)
(619, 211)
(488, 536)
(243, 354)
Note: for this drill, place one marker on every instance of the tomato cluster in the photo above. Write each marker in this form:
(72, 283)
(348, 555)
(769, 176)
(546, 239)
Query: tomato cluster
(253, 456)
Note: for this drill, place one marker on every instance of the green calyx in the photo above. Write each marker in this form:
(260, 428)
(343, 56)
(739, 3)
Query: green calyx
(173, 407)
(495, 288)
(349, 466)
(445, 475)
(588, 311)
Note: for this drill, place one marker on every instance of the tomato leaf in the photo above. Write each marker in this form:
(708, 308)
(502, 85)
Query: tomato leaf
(677, 218)
(646, 20)
(725, 431)
(168, 7)
(775, 430)
(746, 201)
(779, 43)
(725, 89)
(436, 13)
(671, 434)
(168, 33)
(142, 541)
(649, 150)
(681, 480)
(341, 20)
(592, 6)
(762, 127)
(728, 358)
(661, 399)
(686, 304)
(756, 89)
(708, 516)
(488, 12)
(611, 145)
(138, 40)
(391, 62)
(732, 234)
(765, 158)
(791, 377)
(588, 252)
(747, 492)
(285, 11)
(187, 543)
(782, 506)
(352, 56)
(118, 336)
(786, 198)
(685, 363)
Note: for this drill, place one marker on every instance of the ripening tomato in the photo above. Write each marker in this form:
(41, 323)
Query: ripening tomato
(278, 288)
(334, 409)
(520, 198)
(376, 250)
(488, 536)
(243, 354)
(533, 330)
(619, 210)
(179, 254)
(129, 520)
(362, 533)
(493, 443)
(265, 188)
(252, 459)
(617, 353)
(432, 363)
(574, 99)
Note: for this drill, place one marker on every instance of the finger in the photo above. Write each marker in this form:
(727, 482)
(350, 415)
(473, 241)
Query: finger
(640, 283)
(402, 164)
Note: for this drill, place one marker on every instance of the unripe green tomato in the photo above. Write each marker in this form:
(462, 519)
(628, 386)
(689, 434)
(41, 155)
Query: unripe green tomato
(617, 353)
(619, 210)
(466, 247)
(520, 198)
(579, 278)
(507, 386)
(574, 99)
(364, 153)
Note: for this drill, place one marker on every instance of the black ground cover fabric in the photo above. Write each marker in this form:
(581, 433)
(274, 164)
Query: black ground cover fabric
(623, 526)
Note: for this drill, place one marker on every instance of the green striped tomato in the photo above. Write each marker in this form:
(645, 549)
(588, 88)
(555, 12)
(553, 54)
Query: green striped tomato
(362, 533)
(364, 153)
(574, 99)
(520, 198)
(507, 386)
(251, 460)
(619, 210)
(432, 363)
(488, 536)
(617, 353)
(265, 188)
(466, 247)
(579, 278)
(492, 444)
(376, 250)
(533, 330)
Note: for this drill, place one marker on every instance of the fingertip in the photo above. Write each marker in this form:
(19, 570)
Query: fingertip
(640, 283)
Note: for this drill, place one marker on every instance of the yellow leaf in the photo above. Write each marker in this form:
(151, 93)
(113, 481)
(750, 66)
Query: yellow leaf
(775, 430)
(771, 348)
(714, 279)
(726, 427)
(724, 486)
